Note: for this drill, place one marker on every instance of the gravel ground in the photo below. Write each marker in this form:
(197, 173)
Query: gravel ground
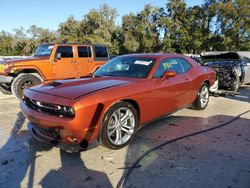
(218, 155)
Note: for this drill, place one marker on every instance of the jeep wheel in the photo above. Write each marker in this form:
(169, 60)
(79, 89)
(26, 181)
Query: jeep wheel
(23, 81)
(119, 125)
(5, 91)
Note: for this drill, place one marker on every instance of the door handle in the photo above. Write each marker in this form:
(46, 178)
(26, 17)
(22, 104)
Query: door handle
(73, 61)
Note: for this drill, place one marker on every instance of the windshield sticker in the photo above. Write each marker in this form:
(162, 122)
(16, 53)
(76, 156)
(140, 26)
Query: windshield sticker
(51, 47)
(147, 63)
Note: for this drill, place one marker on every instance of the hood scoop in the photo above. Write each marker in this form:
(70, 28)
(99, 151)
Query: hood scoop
(54, 84)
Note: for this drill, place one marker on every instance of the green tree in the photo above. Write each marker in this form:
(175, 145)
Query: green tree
(141, 32)
(6, 41)
(233, 23)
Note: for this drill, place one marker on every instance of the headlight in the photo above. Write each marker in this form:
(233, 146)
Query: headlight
(50, 109)
(68, 111)
(65, 111)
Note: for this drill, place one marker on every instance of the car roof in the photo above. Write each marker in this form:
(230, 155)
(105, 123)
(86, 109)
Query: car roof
(65, 43)
(153, 55)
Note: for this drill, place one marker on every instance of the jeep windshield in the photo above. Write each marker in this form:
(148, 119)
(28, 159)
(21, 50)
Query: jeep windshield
(44, 50)
(132, 67)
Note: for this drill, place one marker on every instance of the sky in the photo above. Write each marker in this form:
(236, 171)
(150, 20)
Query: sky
(50, 13)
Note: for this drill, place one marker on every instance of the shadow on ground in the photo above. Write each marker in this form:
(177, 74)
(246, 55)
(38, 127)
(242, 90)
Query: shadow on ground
(18, 161)
(215, 158)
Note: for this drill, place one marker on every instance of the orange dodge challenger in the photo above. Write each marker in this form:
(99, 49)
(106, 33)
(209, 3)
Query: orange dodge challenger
(108, 106)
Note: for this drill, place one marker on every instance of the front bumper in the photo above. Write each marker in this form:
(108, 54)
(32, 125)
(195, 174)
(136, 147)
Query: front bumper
(52, 138)
(5, 79)
(64, 133)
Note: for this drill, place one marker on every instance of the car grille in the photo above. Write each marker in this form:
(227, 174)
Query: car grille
(45, 108)
(48, 133)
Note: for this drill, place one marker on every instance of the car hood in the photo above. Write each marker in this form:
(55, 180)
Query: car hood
(73, 89)
(217, 63)
(221, 59)
(27, 59)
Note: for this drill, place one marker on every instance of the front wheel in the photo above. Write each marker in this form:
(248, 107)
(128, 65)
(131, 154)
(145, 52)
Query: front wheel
(118, 126)
(202, 98)
(23, 81)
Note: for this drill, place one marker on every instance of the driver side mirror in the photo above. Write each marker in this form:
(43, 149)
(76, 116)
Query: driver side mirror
(58, 57)
(168, 74)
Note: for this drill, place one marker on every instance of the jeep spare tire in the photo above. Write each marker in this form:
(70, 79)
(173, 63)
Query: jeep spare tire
(23, 81)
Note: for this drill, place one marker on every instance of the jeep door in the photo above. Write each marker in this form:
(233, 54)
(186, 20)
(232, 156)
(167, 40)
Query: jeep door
(84, 60)
(64, 65)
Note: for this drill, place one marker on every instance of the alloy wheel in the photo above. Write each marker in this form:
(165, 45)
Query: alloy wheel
(121, 126)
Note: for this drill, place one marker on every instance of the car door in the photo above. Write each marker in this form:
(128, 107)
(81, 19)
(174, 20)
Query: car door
(187, 80)
(64, 65)
(171, 93)
(84, 60)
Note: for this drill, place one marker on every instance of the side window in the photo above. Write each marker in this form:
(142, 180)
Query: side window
(101, 52)
(168, 64)
(84, 51)
(65, 51)
(186, 65)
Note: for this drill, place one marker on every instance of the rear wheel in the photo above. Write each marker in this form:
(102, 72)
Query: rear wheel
(236, 84)
(23, 81)
(118, 126)
(202, 98)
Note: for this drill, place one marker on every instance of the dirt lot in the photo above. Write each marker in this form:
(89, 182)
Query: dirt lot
(216, 155)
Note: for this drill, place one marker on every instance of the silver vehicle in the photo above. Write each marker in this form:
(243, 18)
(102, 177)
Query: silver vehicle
(232, 68)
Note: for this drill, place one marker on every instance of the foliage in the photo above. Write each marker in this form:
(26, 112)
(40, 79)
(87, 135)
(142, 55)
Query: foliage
(215, 25)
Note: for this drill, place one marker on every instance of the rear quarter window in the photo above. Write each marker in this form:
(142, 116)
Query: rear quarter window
(185, 64)
(84, 51)
(101, 52)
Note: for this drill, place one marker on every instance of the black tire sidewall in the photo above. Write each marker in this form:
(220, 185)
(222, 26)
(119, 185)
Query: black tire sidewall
(103, 137)
(20, 80)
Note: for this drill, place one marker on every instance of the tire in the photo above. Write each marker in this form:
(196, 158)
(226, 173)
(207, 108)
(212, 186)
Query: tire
(23, 81)
(236, 85)
(112, 125)
(202, 98)
(5, 91)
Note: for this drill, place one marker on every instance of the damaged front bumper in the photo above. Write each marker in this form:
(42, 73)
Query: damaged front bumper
(52, 138)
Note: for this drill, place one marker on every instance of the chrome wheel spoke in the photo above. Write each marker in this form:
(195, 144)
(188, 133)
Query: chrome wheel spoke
(126, 131)
(112, 132)
(204, 95)
(118, 139)
(121, 126)
(126, 126)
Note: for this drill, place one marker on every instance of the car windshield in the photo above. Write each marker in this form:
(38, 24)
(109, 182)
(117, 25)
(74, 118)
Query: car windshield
(132, 67)
(44, 50)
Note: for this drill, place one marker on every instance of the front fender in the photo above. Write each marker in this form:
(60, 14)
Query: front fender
(38, 72)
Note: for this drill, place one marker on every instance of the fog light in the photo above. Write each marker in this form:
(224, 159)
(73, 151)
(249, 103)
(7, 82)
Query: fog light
(72, 139)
